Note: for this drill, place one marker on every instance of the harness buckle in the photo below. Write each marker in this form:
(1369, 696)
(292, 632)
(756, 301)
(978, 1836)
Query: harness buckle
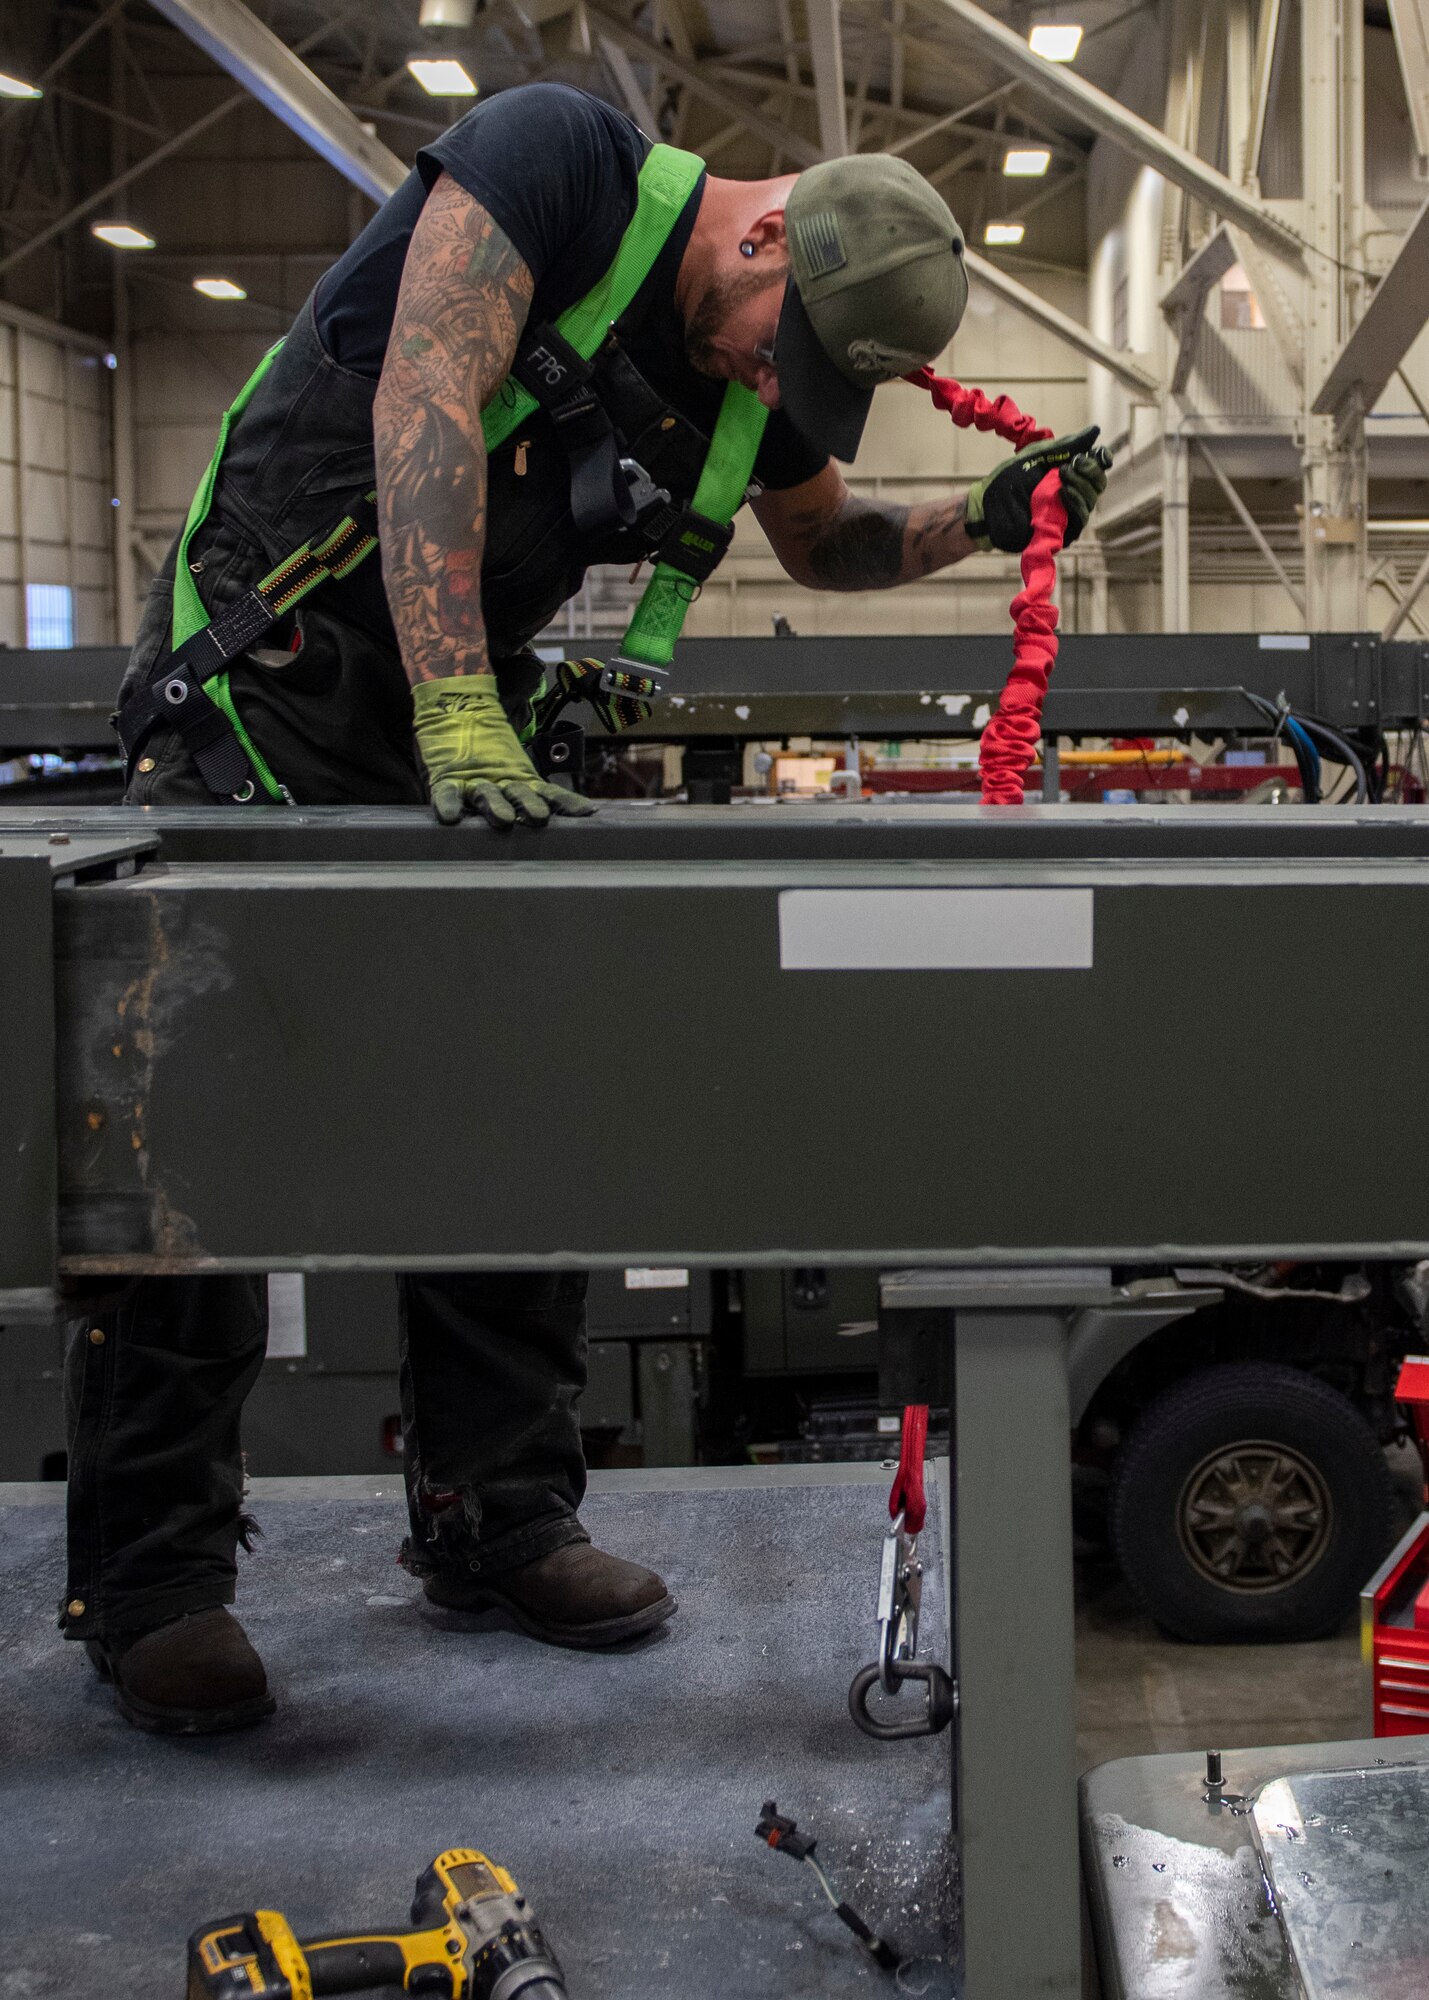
(645, 496)
(900, 1594)
(634, 678)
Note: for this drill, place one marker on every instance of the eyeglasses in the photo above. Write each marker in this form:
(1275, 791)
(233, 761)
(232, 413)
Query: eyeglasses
(766, 355)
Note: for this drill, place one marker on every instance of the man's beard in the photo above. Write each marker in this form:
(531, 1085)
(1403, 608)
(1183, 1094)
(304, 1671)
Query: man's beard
(712, 314)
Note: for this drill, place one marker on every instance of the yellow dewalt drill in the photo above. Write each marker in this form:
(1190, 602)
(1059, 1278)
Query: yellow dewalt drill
(473, 1938)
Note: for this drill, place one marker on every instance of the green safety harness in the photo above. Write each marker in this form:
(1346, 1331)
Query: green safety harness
(189, 689)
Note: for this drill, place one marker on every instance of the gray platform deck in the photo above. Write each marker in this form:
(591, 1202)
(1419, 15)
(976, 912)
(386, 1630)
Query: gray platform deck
(622, 1790)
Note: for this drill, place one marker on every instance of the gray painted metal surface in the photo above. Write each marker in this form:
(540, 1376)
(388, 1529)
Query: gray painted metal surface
(1176, 1891)
(1171, 684)
(621, 1788)
(292, 1042)
(1016, 1775)
(758, 831)
(31, 866)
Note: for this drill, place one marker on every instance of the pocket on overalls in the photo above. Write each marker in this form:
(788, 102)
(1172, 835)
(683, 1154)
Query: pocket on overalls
(224, 561)
(317, 501)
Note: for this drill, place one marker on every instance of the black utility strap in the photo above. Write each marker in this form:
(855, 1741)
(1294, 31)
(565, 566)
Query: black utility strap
(562, 382)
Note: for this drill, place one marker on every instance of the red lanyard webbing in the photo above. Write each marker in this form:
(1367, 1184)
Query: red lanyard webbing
(908, 1497)
(1010, 739)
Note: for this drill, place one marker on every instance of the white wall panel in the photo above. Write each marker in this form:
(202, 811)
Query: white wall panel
(56, 521)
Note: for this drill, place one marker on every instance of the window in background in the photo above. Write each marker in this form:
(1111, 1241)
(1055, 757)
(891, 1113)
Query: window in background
(1121, 316)
(49, 615)
(1239, 306)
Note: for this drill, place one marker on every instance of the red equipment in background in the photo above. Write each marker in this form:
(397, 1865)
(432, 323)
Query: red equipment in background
(1394, 1604)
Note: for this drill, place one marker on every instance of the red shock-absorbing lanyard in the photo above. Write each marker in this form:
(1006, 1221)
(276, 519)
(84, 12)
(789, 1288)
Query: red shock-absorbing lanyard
(908, 1497)
(1009, 742)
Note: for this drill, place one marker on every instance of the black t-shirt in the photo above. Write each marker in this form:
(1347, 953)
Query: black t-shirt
(558, 172)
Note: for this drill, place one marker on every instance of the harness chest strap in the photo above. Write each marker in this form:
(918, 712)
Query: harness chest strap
(190, 688)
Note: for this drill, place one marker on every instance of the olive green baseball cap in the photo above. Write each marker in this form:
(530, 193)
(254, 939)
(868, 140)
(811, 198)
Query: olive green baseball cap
(877, 286)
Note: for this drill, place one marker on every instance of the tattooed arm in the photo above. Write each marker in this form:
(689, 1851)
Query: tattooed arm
(830, 540)
(460, 311)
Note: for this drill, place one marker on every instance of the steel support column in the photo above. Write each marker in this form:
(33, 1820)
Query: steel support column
(1410, 21)
(1017, 1787)
(1335, 464)
(1175, 526)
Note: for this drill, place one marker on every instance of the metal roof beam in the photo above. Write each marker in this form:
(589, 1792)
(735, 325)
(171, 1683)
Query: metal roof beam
(826, 54)
(1073, 94)
(283, 84)
(120, 181)
(775, 135)
(1139, 380)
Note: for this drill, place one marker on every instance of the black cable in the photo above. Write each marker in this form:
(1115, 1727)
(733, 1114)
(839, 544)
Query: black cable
(1341, 750)
(1303, 750)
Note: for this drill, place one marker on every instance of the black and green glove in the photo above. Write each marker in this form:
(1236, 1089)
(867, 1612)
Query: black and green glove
(999, 507)
(473, 761)
(579, 680)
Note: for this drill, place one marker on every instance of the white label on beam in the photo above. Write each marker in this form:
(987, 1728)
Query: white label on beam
(935, 930)
(287, 1316)
(655, 1278)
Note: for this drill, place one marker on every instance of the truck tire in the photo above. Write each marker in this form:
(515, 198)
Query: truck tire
(1250, 1502)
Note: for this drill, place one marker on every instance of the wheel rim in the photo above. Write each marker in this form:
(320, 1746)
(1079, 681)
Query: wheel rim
(1254, 1516)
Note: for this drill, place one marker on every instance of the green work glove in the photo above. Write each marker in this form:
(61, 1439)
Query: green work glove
(999, 507)
(473, 761)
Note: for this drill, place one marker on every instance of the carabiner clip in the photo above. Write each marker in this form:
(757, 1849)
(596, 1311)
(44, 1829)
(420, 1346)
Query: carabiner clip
(900, 1599)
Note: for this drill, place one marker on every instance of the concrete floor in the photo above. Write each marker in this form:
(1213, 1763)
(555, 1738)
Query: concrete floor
(1139, 1692)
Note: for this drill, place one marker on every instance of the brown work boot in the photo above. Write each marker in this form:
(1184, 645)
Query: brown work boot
(576, 1596)
(194, 1676)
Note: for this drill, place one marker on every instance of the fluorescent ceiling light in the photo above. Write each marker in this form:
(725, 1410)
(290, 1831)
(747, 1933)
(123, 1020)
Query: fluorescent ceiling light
(13, 86)
(1055, 41)
(122, 236)
(1004, 232)
(219, 288)
(442, 76)
(1027, 162)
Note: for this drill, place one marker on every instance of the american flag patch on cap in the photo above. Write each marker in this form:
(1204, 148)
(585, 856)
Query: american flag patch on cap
(818, 244)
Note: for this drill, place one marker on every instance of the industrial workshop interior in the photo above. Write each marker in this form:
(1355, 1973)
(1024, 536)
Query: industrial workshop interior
(714, 907)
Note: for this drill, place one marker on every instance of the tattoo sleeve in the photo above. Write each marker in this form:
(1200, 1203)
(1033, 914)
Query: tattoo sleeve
(873, 544)
(462, 305)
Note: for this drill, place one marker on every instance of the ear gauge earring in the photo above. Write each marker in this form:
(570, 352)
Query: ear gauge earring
(746, 249)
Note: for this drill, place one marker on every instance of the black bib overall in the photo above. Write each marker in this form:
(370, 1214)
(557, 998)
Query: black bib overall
(492, 1364)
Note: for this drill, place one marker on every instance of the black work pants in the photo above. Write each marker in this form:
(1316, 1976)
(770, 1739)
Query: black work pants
(492, 1365)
